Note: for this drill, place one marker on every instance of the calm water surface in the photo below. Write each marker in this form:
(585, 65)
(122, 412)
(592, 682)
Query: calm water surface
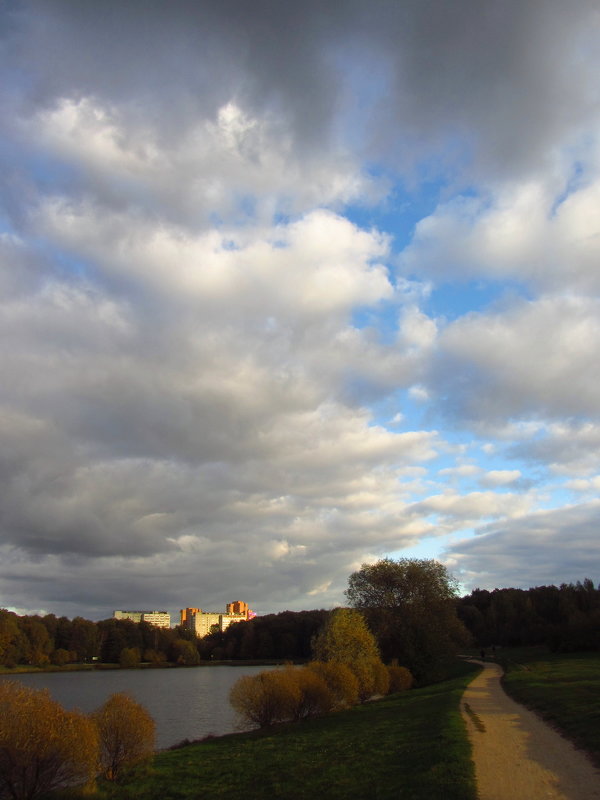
(186, 703)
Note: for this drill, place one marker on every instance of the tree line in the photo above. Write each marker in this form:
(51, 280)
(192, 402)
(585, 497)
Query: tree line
(565, 618)
(347, 669)
(410, 605)
(44, 640)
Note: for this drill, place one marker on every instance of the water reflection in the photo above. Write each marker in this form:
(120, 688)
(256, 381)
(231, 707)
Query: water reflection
(186, 703)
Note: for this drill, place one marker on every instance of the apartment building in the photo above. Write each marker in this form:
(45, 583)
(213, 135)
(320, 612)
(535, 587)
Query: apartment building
(205, 622)
(162, 619)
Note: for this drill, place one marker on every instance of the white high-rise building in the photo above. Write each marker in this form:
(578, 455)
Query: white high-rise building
(162, 619)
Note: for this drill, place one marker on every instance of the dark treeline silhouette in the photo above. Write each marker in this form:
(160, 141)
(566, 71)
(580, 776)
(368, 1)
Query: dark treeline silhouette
(565, 618)
(284, 636)
(39, 641)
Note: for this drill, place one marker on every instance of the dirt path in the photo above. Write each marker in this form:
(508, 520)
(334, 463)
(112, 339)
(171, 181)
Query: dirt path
(518, 756)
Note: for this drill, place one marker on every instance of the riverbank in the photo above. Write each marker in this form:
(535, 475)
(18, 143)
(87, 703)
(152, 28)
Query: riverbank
(412, 744)
(24, 669)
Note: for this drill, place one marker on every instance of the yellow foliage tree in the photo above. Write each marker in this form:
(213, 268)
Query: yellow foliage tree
(130, 657)
(127, 733)
(346, 639)
(43, 747)
(381, 678)
(314, 696)
(266, 698)
(400, 678)
(341, 681)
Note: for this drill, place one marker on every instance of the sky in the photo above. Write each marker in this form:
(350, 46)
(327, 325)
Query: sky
(286, 288)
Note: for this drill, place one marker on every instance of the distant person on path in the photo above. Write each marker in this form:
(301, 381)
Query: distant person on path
(483, 655)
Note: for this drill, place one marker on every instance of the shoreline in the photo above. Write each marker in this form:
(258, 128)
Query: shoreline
(25, 669)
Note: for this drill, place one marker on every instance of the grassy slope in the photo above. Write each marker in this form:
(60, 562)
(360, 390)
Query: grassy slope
(563, 687)
(412, 745)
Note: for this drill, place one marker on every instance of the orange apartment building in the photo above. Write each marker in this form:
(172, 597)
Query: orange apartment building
(204, 622)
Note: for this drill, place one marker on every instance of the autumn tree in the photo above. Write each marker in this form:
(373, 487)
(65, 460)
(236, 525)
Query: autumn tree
(60, 657)
(410, 605)
(264, 699)
(341, 682)
(42, 746)
(129, 657)
(400, 678)
(346, 639)
(126, 731)
(312, 694)
(185, 652)
(13, 642)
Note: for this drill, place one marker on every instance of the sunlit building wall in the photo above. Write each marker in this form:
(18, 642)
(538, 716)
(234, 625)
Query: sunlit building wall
(204, 622)
(162, 619)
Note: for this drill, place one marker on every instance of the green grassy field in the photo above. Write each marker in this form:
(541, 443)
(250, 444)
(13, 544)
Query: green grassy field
(563, 687)
(411, 745)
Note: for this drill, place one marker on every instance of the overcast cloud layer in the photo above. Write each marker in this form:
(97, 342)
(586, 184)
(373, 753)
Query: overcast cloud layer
(285, 288)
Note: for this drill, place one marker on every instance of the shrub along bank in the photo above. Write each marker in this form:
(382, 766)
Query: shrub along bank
(45, 749)
(410, 745)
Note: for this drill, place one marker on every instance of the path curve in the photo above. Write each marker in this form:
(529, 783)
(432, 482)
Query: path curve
(518, 756)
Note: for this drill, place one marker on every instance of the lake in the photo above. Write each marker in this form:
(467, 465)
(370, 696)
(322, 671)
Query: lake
(186, 703)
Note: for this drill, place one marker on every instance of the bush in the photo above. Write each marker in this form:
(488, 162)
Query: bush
(400, 678)
(42, 746)
(60, 657)
(129, 657)
(366, 679)
(341, 681)
(185, 653)
(266, 698)
(314, 697)
(345, 638)
(126, 731)
(381, 678)
(154, 656)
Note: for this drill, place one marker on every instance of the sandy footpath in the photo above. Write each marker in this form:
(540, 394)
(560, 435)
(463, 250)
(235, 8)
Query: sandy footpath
(518, 756)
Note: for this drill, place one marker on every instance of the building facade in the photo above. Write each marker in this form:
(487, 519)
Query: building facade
(205, 622)
(162, 619)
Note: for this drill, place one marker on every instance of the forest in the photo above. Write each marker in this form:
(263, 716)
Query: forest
(565, 618)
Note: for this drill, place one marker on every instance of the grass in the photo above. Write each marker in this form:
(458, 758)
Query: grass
(563, 687)
(410, 745)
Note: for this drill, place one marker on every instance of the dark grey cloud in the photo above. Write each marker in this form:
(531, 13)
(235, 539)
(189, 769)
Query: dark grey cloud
(502, 82)
(524, 552)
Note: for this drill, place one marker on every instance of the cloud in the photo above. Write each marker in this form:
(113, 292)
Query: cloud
(180, 407)
(544, 233)
(463, 471)
(569, 447)
(535, 358)
(506, 85)
(463, 509)
(227, 166)
(223, 229)
(523, 552)
(501, 477)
